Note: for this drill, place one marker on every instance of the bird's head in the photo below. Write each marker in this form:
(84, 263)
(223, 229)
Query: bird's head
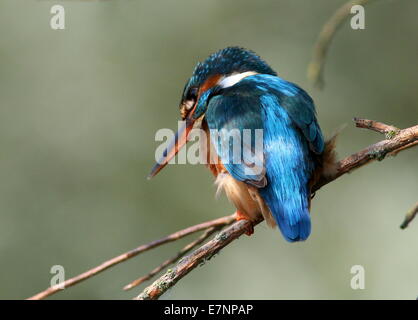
(219, 71)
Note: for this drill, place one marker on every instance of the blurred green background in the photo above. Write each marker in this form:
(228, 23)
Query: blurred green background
(80, 108)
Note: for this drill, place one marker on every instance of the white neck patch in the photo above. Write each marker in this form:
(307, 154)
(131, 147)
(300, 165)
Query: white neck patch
(235, 78)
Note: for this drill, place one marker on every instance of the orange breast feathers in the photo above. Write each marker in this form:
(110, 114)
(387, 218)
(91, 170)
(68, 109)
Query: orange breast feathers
(213, 162)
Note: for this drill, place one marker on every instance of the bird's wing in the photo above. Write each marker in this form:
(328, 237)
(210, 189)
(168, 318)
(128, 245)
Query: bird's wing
(236, 127)
(240, 107)
(298, 105)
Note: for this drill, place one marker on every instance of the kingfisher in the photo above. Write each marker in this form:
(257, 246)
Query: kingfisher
(234, 90)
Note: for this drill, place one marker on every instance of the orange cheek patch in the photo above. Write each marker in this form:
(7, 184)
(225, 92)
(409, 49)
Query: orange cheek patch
(209, 83)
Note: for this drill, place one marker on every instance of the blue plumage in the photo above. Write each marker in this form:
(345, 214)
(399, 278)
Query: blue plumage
(291, 138)
(227, 61)
(229, 113)
(288, 169)
(232, 92)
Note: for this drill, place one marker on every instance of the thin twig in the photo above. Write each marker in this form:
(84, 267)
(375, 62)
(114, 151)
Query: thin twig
(388, 130)
(402, 139)
(233, 232)
(378, 151)
(316, 66)
(172, 260)
(132, 253)
(395, 152)
(410, 216)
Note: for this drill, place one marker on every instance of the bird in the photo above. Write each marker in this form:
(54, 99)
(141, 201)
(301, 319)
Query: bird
(235, 90)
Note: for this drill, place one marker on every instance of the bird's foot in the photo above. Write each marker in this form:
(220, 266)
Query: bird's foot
(240, 216)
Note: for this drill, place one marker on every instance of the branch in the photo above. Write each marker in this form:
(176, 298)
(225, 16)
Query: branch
(316, 66)
(198, 257)
(134, 252)
(395, 152)
(170, 261)
(389, 131)
(374, 152)
(380, 127)
(410, 216)
(399, 140)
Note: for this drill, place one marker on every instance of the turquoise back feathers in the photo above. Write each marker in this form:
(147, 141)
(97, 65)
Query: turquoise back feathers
(291, 140)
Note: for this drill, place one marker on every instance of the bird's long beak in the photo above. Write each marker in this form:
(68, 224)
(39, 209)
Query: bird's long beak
(179, 140)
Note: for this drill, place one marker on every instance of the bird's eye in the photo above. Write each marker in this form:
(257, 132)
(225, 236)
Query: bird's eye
(191, 94)
(190, 98)
(188, 101)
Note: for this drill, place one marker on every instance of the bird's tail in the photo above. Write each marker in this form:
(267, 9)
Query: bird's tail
(294, 218)
(295, 225)
(290, 211)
